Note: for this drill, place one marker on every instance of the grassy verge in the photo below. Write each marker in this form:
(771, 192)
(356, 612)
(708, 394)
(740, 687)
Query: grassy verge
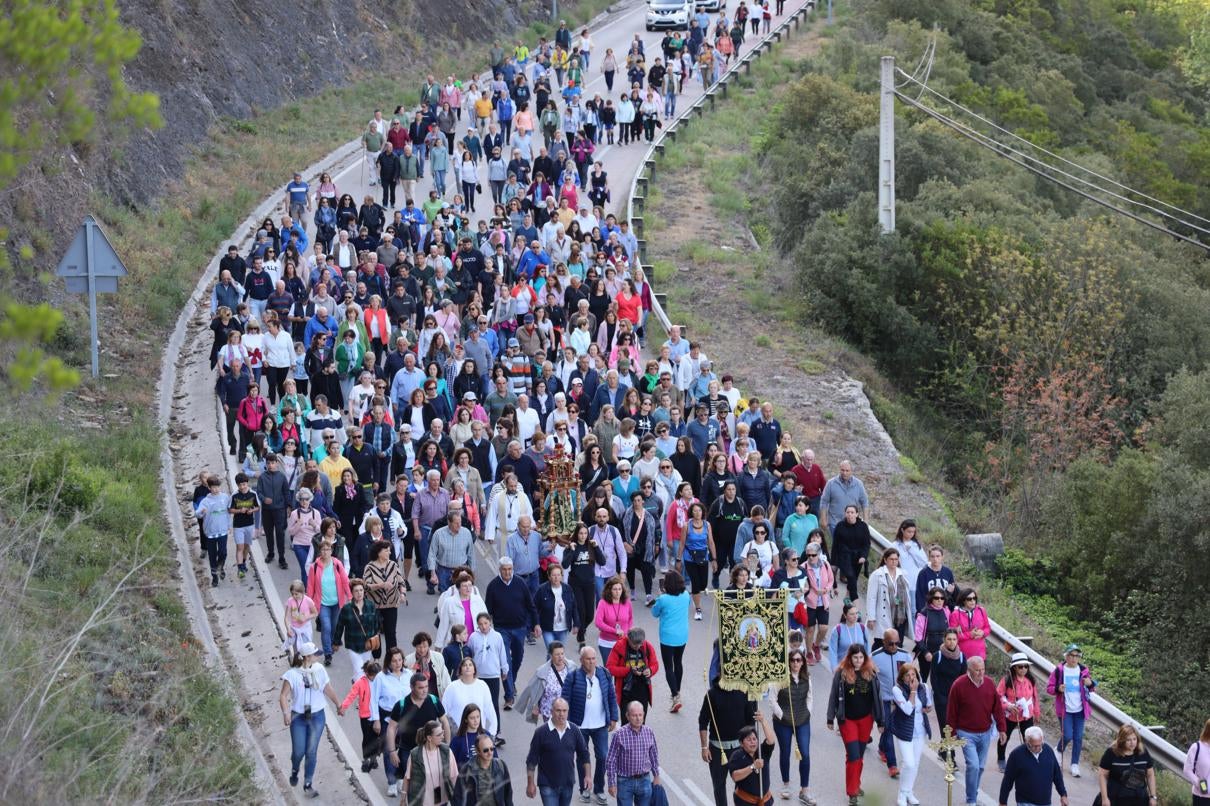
(724, 147)
(130, 709)
(94, 626)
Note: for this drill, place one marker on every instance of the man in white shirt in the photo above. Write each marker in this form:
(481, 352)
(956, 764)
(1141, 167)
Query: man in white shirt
(528, 420)
(505, 510)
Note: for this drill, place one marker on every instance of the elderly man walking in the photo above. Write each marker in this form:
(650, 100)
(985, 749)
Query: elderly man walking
(977, 715)
(1032, 771)
(633, 764)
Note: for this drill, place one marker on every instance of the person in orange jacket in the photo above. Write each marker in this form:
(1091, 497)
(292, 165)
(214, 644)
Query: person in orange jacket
(360, 693)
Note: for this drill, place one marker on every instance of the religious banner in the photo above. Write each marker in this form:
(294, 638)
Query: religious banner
(752, 641)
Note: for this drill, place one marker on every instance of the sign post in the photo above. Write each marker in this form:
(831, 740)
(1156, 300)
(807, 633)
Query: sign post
(91, 266)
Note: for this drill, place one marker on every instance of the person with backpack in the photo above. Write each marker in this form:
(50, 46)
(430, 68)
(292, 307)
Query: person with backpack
(1020, 698)
(408, 716)
(1071, 685)
(849, 631)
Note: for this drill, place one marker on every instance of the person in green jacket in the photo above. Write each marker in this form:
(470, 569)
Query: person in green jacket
(349, 357)
(357, 628)
(430, 753)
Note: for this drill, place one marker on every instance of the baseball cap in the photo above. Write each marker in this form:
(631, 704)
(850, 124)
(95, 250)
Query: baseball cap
(469, 396)
(514, 343)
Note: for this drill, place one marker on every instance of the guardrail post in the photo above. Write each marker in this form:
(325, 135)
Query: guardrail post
(650, 169)
(636, 221)
(642, 242)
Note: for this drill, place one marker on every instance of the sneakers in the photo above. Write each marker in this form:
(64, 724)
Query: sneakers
(697, 614)
(601, 799)
(214, 580)
(293, 777)
(393, 791)
(222, 572)
(283, 565)
(243, 571)
(365, 765)
(508, 705)
(806, 800)
(270, 557)
(1000, 765)
(585, 795)
(912, 799)
(1075, 770)
(327, 659)
(309, 791)
(650, 600)
(676, 703)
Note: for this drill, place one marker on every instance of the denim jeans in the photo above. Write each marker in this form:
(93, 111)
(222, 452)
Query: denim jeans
(556, 795)
(327, 622)
(444, 577)
(439, 181)
(1073, 734)
(974, 755)
(554, 635)
(885, 743)
(599, 739)
(802, 735)
(304, 741)
(300, 553)
(423, 560)
(634, 791)
(514, 645)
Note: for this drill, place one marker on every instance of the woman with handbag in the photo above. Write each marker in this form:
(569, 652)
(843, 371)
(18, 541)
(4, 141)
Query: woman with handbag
(1127, 773)
(357, 628)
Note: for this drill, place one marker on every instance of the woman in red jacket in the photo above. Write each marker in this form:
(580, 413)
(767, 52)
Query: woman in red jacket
(633, 664)
(251, 414)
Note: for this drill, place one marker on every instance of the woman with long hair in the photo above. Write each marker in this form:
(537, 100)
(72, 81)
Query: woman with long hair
(855, 701)
(889, 599)
(470, 728)
(792, 723)
(908, 721)
(1019, 696)
(698, 555)
(581, 559)
(614, 616)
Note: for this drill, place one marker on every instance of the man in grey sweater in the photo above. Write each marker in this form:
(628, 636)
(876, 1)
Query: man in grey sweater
(273, 489)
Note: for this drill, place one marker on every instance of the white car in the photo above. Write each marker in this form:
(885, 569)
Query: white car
(710, 6)
(673, 14)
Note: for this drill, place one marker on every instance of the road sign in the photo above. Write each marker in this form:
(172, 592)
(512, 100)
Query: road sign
(91, 266)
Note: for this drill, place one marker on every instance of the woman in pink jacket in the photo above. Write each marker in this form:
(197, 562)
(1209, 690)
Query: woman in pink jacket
(614, 615)
(328, 587)
(970, 620)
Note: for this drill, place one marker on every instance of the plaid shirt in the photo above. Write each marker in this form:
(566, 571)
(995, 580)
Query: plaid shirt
(632, 753)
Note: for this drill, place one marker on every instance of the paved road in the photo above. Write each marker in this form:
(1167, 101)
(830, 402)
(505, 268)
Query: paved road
(241, 607)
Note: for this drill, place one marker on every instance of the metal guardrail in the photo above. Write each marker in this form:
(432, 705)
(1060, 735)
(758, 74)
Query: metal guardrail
(1163, 751)
(1167, 754)
(636, 201)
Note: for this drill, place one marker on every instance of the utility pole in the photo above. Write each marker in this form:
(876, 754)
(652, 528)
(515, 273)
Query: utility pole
(829, 12)
(886, 148)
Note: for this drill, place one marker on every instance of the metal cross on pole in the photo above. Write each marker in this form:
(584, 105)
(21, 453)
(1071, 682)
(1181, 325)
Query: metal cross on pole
(91, 266)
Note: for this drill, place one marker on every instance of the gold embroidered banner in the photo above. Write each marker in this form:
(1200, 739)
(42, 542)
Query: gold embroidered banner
(752, 641)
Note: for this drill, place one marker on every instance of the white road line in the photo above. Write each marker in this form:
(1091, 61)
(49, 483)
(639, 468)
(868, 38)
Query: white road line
(671, 785)
(696, 791)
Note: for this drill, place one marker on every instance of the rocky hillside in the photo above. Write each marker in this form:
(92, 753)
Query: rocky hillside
(214, 59)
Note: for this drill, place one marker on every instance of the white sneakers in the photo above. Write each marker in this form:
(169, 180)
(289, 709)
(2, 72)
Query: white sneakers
(393, 790)
(1075, 770)
(697, 615)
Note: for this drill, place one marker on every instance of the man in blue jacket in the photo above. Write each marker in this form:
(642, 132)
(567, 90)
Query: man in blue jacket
(1032, 770)
(232, 388)
(592, 705)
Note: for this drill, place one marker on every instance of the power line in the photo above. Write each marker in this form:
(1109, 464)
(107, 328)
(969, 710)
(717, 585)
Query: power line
(925, 88)
(1000, 149)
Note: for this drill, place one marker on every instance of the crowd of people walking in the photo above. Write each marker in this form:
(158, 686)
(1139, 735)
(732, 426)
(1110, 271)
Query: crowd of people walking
(395, 378)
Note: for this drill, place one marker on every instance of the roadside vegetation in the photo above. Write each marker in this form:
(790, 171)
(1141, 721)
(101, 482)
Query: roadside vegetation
(1047, 363)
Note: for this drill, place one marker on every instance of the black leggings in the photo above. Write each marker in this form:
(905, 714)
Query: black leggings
(674, 667)
(388, 618)
(646, 569)
(276, 377)
(468, 195)
(850, 570)
(585, 594)
(1022, 726)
